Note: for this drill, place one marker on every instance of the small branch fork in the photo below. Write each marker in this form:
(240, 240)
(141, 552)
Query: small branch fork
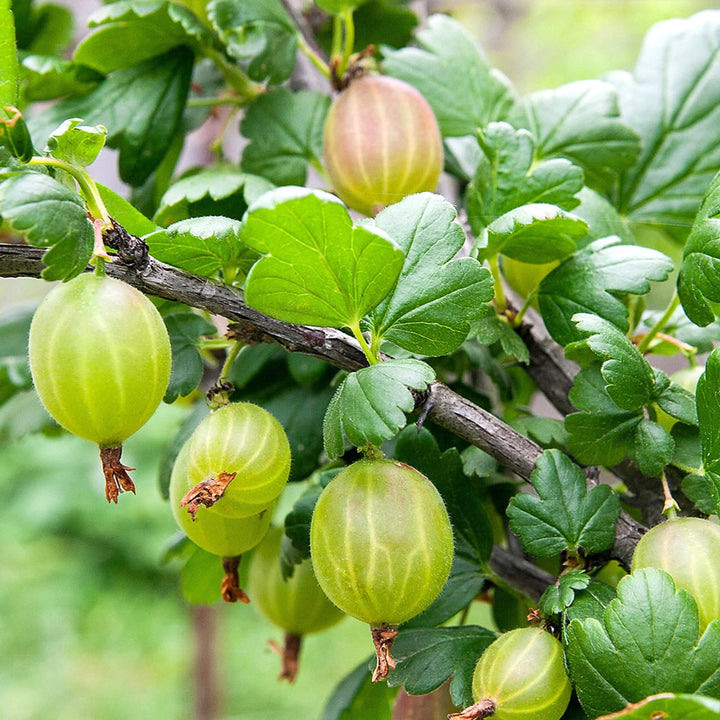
(446, 408)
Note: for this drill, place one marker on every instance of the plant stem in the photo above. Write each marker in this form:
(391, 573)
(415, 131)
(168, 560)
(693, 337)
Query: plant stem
(660, 324)
(670, 507)
(349, 43)
(500, 301)
(246, 88)
(521, 313)
(367, 350)
(87, 185)
(314, 58)
(233, 352)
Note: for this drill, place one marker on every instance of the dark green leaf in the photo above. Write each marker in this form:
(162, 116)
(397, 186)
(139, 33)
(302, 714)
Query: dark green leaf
(451, 71)
(370, 404)
(436, 297)
(534, 234)
(507, 177)
(185, 330)
(673, 102)
(8, 58)
(493, 328)
(76, 143)
(679, 403)
(646, 643)
(653, 448)
(49, 215)
(51, 29)
(14, 369)
(564, 515)
(427, 657)
(285, 133)
(356, 697)
(667, 705)
(590, 281)
(699, 275)
(590, 602)
(141, 107)
(704, 491)
(228, 191)
(129, 32)
(581, 122)
(259, 35)
(14, 134)
(319, 269)
(561, 595)
(383, 23)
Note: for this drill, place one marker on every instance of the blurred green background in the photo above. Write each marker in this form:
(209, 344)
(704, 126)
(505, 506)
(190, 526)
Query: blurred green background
(92, 625)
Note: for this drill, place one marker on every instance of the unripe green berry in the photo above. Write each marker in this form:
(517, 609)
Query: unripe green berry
(381, 142)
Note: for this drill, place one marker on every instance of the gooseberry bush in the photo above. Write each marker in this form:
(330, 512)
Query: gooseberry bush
(410, 255)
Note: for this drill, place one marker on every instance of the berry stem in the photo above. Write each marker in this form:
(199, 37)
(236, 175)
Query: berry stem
(670, 507)
(289, 655)
(383, 637)
(484, 708)
(500, 301)
(230, 589)
(314, 58)
(117, 479)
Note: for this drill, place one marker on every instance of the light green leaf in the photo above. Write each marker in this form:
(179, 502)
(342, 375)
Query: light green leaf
(706, 394)
(646, 643)
(14, 369)
(8, 56)
(319, 269)
(436, 297)
(591, 280)
(141, 107)
(672, 101)
(536, 234)
(507, 176)
(259, 34)
(131, 31)
(699, 277)
(679, 403)
(370, 405)
(564, 515)
(45, 77)
(75, 143)
(581, 122)
(49, 215)
(356, 696)
(493, 328)
(216, 191)
(285, 133)
(201, 577)
(453, 74)
(561, 595)
(126, 214)
(204, 246)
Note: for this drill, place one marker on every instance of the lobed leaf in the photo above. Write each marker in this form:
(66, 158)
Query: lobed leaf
(285, 131)
(49, 215)
(561, 595)
(591, 280)
(462, 101)
(647, 642)
(75, 143)
(370, 404)
(45, 77)
(564, 514)
(437, 296)
(319, 268)
(581, 122)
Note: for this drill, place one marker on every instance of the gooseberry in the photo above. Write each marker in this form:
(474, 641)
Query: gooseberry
(296, 604)
(688, 550)
(381, 546)
(520, 675)
(381, 142)
(100, 360)
(238, 461)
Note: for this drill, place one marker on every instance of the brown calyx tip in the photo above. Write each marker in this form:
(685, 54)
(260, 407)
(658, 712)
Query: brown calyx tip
(116, 475)
(230, 589)
(289, 656)
(383, 638)
(207, 492)
(484, 708)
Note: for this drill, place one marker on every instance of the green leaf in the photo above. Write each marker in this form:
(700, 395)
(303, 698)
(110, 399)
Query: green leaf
(673, 103)
(259, 35)
(370, 404)
(130, 31)
(356, 697)
(204, 246)
(602, 433)
(581, 122)
(50, 26)
(453, 74)
(699, 276)
(561, 595)
(75, 143)
(436, 297)
(46, 77)
(653, 448)
(14, 370)
(382, 23)
(564, 515)
(590, 602)
(319, 268)
(706, 394)
(285, 133)
(201, 577)
(126, 214)
(22, 415)
(592, 279)
(537, 233)
(220, 191)
(8, 56)
(630, 379)
(646, 643)
(427, 657)
(141, 106)
(185, 330)
(49, 215)
(704, 491)
(14, 134)
(668, 705)
(507, 176)
(679, 403)
(493, 328)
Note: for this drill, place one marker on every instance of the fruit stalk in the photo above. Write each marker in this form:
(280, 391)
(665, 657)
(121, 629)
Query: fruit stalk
(289, 656)
(230, 589)
(482, 709)
(117, 479)
(383, 638)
